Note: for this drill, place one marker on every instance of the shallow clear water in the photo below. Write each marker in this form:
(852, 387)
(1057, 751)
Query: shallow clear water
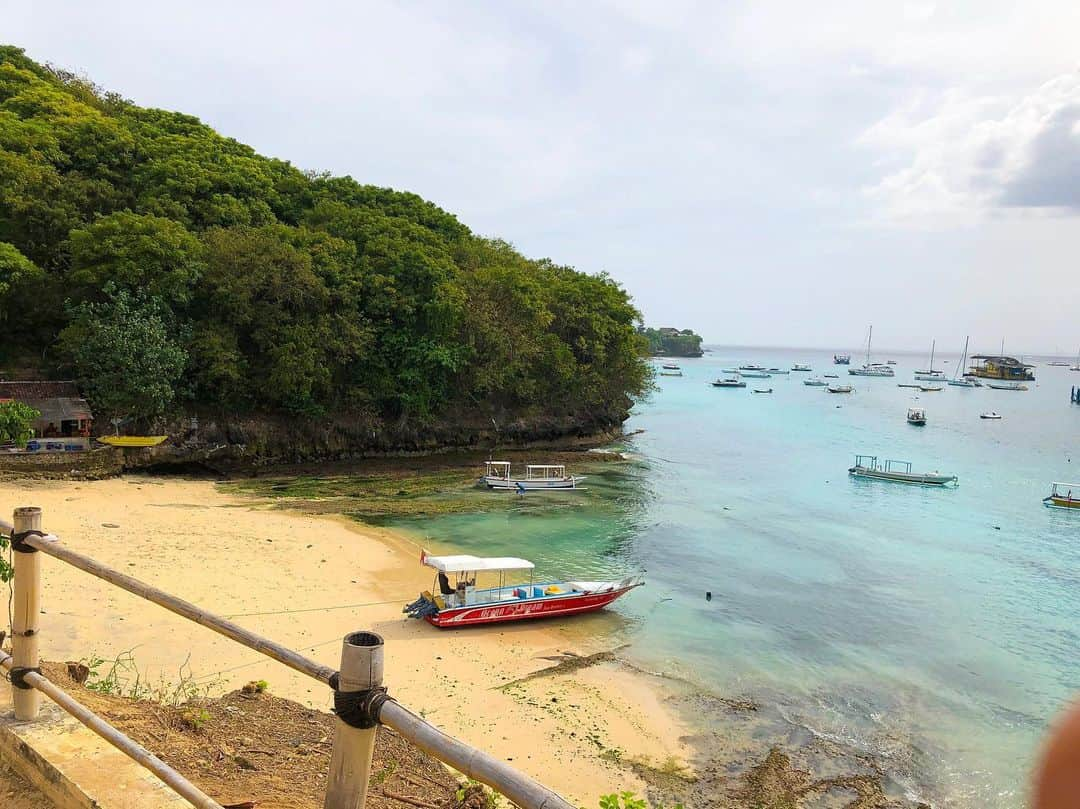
(936, 628)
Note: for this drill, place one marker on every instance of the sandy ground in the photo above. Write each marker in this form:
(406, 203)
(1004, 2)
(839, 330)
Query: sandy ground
(578, 732)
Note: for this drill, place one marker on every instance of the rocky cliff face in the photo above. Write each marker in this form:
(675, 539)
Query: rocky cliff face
(225, 444)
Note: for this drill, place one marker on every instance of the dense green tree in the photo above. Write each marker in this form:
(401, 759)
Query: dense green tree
(16, 423)
(124, 355)
(182, 270)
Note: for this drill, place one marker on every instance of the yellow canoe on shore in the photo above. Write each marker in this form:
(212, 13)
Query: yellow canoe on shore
(132, 440)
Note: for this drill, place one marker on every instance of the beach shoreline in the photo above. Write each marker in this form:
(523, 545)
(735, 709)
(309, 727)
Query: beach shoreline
(584, 730)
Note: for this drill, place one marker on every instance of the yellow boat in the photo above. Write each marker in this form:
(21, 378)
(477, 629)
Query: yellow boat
(1063, 495)
(132, 440)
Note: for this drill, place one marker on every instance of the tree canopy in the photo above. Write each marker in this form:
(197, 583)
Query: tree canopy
(174, 269)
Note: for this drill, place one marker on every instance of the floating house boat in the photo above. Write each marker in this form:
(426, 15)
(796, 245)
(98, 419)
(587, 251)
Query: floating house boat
(1000, 367)
(868, 466)
(1063, 495)
(537, 476)
(464, 604)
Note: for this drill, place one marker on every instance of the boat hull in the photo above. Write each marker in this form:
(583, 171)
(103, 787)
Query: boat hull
(525, 609)
(918, 479)
(132, 440)
(1061, 502)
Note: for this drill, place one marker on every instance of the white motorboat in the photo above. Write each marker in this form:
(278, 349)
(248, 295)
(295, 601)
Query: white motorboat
(755, 374)
(814, 382)
(992, 415)
(799, 367)
(730, 382)
(840, 389)
(537, 477)
(916, 416)
(778, 371)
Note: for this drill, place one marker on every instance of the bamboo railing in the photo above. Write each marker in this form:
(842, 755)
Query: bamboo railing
(359, 696)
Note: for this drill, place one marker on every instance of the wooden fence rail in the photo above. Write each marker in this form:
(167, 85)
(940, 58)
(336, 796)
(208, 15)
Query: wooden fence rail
(357, 686)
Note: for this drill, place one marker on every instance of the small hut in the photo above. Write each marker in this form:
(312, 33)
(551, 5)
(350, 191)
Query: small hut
(65, 418)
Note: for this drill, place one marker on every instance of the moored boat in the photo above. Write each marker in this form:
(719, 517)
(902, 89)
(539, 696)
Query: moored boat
(871, 368)
(762, 390)
(1006, 386)
(990, 414)
(800, 367)
(671, 373)
(814, 382)
(930, 388)
(930, 374)
(868, 466)
(916, 416)
(132, 440)
(751, 367)
(461, 604)
(537, 477)
(841, 359)
(730, 382)
(755, 374)
(778, 371)
(831, 376)
(1063, 495)
(670, 366)
(840, 389)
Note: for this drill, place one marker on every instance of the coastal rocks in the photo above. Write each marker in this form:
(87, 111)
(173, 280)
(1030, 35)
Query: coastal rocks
(225, 444)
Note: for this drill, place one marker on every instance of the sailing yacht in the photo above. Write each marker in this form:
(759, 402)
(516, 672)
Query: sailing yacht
(871, 368)
(929, 374)
(959, 381)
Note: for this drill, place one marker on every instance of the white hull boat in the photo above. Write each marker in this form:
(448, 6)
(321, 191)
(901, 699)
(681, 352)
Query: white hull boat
(868, 466)
(537, 477)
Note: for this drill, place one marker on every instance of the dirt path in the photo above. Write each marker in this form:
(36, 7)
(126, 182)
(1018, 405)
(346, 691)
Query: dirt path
(16, 793)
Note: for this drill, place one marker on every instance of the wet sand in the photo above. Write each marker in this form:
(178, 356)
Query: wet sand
(585, 731)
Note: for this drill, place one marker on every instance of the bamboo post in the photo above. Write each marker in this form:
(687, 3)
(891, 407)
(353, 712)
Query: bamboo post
(350, 762)
(24, 622)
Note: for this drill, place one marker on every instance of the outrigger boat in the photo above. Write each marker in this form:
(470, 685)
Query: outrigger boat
(537, 476)
(1063, 495)
(868, 466)
(132, 440)
(464, 604)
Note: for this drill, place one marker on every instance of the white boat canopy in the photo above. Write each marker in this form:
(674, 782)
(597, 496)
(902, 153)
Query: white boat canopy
(465, 563)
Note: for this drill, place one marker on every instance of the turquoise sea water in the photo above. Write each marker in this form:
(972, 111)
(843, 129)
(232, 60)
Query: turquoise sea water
(935, 629)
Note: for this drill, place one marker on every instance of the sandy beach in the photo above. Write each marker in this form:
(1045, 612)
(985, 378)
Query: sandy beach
(580, 731)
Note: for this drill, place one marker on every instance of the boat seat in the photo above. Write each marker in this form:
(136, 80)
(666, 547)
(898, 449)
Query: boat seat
(538, 592)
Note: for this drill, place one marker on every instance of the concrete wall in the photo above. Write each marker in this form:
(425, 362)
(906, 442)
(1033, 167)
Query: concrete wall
(93, 465)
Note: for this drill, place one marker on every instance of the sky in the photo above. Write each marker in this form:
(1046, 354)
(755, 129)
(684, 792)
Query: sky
(766, 172)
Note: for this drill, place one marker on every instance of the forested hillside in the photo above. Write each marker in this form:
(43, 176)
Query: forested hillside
(172, 270)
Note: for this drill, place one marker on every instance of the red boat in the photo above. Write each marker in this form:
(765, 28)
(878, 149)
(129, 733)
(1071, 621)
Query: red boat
(463, 604)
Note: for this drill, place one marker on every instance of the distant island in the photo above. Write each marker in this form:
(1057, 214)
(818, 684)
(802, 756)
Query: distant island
(669, 342)
(181, 278)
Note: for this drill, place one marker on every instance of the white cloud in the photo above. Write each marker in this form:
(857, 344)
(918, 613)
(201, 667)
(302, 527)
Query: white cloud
(954, 157)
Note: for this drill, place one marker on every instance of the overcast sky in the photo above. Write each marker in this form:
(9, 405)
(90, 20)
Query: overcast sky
(780, 173)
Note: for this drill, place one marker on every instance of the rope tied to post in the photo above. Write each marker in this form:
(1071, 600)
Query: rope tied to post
(18, 540)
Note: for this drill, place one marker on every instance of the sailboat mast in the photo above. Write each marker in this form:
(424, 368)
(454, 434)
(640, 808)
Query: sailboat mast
(933, 345)
(869, 339)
